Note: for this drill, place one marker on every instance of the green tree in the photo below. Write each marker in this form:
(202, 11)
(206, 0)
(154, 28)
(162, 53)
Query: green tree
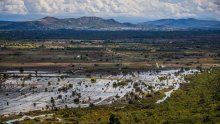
(113, 119)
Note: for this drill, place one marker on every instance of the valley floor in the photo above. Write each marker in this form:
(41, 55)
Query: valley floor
(195, 102)
(29, 91)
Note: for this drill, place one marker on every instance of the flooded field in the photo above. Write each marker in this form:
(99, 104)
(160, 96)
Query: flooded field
(30, 90)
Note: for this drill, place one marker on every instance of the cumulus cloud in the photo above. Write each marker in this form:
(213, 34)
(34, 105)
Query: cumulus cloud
(12, 6)
(152, 9)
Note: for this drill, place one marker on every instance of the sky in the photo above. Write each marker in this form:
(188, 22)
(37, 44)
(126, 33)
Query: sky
(121, 10)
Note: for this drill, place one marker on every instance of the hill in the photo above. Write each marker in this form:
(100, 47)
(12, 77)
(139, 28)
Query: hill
(96, 23)
(51, 23)
(181, 24)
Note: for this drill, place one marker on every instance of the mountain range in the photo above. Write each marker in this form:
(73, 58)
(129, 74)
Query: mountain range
(189, 23)
(96, 23)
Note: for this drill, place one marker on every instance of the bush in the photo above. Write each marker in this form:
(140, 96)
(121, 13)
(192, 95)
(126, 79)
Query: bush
(120, 83)
(70, 85)
(91, 105)
(76, 101)
(93, 80)
(59, 97)
(113, 119)
(162, 78)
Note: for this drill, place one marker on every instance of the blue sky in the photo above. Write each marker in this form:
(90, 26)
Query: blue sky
(122, 10)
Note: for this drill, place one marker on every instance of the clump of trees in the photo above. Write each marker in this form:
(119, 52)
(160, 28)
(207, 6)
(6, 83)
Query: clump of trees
(65, 88)
(120, 83)
(162, 78)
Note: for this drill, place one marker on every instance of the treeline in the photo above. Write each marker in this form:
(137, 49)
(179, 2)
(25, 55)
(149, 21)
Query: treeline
(108, 35)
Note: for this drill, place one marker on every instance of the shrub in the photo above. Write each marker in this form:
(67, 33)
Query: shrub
(93, 80)
(76, 101)
(120, 83)
(59, 97)
(113, 119)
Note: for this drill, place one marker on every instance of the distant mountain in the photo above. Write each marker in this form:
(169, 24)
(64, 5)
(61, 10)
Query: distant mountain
(96, 23)
(83, 23)
(181, 24)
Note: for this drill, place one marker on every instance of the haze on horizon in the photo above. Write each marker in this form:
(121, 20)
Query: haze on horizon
(121, 10)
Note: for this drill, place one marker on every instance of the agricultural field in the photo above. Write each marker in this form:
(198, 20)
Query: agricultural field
(70, 81)
(27, 93)
(109, 61)
(194, 102)
(98, 55)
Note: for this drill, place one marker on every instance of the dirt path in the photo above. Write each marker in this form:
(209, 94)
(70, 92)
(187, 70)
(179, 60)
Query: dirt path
(168, 94)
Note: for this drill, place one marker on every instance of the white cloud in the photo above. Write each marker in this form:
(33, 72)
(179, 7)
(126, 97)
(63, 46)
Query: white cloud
(12, 6)
(151, 9)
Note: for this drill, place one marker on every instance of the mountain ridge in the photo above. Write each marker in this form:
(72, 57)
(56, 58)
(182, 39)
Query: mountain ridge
(97, 23)
(182, 23)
